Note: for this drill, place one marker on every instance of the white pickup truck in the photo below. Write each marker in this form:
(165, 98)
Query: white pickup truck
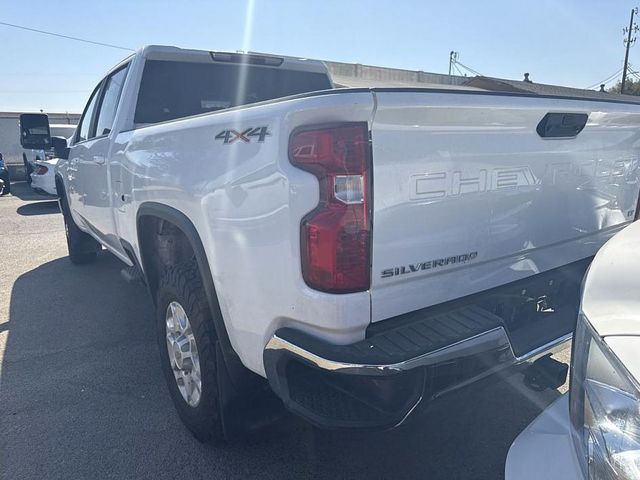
(364, 250)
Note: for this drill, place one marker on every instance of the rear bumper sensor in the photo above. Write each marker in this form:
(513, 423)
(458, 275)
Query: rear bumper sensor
(379, 381)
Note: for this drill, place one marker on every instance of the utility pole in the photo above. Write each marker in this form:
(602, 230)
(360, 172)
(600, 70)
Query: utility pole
(633, 28)
(453, 56)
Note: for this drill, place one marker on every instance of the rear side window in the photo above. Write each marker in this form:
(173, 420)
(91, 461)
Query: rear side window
(109, 102)
(171, 89)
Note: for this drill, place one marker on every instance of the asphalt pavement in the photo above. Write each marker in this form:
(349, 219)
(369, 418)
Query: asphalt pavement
(82, 395)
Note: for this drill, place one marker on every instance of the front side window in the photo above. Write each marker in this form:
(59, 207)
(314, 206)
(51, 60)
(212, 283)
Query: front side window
(109, 103)
(84, 128)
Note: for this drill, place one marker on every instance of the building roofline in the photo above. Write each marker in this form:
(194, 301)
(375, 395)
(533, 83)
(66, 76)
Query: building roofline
(17, 114)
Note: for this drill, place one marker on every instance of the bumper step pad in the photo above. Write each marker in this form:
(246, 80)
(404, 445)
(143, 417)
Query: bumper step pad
(415, 334)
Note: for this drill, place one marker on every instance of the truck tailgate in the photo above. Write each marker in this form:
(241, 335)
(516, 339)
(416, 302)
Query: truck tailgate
(468, 196)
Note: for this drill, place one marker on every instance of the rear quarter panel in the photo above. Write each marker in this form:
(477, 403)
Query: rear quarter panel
(246, 201)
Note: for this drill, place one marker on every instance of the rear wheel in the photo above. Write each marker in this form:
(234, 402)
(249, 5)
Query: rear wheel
(186, 338)
(82, 247)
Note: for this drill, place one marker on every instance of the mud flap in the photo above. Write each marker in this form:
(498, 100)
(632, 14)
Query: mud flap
(244, 412)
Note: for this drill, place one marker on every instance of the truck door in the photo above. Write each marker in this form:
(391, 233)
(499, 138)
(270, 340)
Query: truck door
(96, 202)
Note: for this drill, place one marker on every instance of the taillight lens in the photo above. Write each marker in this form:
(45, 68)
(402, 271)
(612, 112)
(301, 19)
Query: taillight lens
(41, 169)
(336, 235)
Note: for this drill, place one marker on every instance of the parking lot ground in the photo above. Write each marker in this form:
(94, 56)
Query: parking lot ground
(82, 394)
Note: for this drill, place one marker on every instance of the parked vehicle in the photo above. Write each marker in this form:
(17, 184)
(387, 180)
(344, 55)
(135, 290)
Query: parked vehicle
(593, 432)
(31, 156)
(5, 181)
(43, 177)
(362, 250)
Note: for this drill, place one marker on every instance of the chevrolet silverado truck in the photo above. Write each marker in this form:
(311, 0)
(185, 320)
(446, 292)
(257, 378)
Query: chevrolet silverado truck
(357, 252)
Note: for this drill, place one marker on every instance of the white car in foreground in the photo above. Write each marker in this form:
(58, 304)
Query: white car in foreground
(43, 177)
(593, 432)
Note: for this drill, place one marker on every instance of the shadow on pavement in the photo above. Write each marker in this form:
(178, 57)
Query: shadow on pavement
(39, 208)
(24, 192)
(83, 396)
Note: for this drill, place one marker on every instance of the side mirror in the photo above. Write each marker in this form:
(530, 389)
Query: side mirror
(34, 131)
(60, 149)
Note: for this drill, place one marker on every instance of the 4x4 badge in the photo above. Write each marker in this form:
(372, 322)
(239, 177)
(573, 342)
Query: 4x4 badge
(231, 136)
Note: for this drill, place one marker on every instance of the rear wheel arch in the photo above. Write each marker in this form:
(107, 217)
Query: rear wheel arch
(234, 379)
(148, 215)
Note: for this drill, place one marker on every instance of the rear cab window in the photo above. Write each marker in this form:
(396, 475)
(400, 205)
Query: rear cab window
(176, 89)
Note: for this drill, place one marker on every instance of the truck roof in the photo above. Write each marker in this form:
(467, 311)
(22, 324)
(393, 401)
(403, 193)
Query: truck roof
(164, 52)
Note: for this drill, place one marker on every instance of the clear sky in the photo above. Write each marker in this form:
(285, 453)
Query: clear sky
(567, 42)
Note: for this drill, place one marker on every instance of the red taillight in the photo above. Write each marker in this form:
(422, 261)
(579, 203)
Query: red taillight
(41, 169)
(336, 235)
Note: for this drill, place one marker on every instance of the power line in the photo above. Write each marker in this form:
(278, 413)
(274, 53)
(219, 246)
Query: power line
(454, 65)
(606, 80)
(52, 74)
(632, 68)
(633, 72)
(21, 27)
(467, 68)
(43, 91)
(456, 68)
(609, 80)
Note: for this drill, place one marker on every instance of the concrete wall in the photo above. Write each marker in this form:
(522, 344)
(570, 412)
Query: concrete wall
(356, 75)
(10, 133)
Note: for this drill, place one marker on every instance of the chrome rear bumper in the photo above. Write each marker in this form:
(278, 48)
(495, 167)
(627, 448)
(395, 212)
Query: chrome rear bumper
(387, 375)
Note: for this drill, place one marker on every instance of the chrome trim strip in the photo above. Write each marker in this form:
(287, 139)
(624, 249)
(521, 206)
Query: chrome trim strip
(491, 340)
(495, 340)
(553, 346)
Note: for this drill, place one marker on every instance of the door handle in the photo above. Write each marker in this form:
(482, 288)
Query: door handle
(99, 159)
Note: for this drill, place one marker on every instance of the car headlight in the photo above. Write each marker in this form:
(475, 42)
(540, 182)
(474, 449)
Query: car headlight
(605, 409)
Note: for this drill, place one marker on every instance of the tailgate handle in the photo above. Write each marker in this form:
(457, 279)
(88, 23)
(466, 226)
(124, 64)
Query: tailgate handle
(561, 125)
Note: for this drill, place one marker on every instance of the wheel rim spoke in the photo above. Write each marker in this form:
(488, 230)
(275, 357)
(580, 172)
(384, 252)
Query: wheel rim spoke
(183, 354)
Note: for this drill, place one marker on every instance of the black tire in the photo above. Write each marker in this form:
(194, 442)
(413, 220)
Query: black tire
(183, 284)
(5, 182)
(82, 247)
(28, 170)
